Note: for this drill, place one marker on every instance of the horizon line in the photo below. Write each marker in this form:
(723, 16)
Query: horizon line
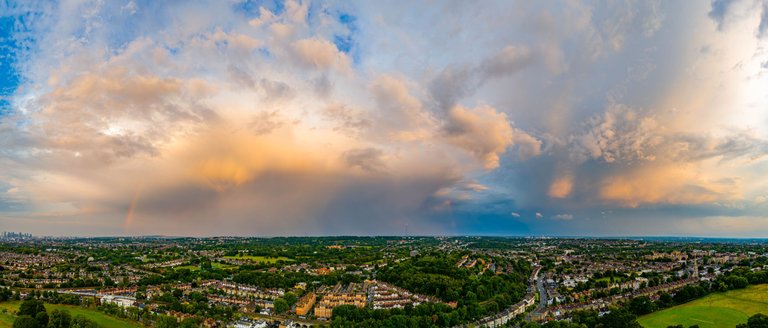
(540, 236)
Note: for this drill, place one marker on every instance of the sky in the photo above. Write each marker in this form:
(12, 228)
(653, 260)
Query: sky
(264, 118)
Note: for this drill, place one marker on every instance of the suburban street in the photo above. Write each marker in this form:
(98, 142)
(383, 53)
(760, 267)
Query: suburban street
(542, 306)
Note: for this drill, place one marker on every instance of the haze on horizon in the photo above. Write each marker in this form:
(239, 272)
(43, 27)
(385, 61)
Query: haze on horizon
(244, 117)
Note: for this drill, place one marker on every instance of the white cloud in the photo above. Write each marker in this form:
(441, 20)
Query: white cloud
(432, 113)
(320, 54)
(487, 134)
(619, 134)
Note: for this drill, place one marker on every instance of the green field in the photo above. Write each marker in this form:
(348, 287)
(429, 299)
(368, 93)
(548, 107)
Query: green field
(105, 321)
(260, 259)
(716, 310)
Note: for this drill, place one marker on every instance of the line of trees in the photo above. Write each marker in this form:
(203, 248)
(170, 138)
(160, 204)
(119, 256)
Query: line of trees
(32, 314)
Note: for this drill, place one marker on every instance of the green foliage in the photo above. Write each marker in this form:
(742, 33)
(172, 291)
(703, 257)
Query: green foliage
(423, 315)
(756, 321)
(290, 298)
(165, 321)
(59, 319)
(619, 318)
(289, 279)
(5, 294)
(80, 321)
(478, 293)
(25, 321)
(190, 323)
(641, 305)
(31, 307)
(563, 324)
(281, 306)
(42, 319)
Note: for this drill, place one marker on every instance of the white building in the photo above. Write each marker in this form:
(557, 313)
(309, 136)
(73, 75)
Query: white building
(121, 301)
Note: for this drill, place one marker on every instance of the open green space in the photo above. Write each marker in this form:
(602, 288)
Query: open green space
(260, 259)
(616, 280)
(716, 310)
(6, 320)
(105, 321)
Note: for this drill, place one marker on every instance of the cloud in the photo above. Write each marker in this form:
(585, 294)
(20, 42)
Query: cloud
(450, 85)
(719, 11)
(728, 147)
(475, 186)
(320, 54)
(724, 12)
(762, 29)
(455, 82)
(266, 122)
(231, 120)
(486, 133)
(368, 159)
(561, 187)
(399, 115)
(654, 21)
(666, 184)
(507, 62)
(130, 7)
(622, 134)
(195, 126)
(345, 119)
(619, 134)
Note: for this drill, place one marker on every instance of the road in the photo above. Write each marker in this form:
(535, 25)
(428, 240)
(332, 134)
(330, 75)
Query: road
(543, 299)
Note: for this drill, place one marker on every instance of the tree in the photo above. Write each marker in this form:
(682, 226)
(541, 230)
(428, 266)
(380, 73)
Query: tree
(5, 294)
(281, 306)
(619, 318)
(190, 323)
(756, 321)
(59, 319)
(42, 319)
(25, 321)
(165, 321)
(641, 305)
(31, 307)
(290, 298)
(81, 321)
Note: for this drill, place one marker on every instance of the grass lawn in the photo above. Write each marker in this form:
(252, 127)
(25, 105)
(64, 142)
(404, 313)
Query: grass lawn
(260, 259)
(617, 280)
(716, 310)
(6, 320)
(105, 321)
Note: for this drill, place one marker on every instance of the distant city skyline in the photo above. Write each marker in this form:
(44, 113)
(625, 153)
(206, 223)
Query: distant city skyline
(272, 118)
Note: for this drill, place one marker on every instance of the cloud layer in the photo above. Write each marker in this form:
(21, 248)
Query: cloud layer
(251, 118)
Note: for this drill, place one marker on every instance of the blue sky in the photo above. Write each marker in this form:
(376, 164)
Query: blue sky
(9, 77)
(300, 118)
